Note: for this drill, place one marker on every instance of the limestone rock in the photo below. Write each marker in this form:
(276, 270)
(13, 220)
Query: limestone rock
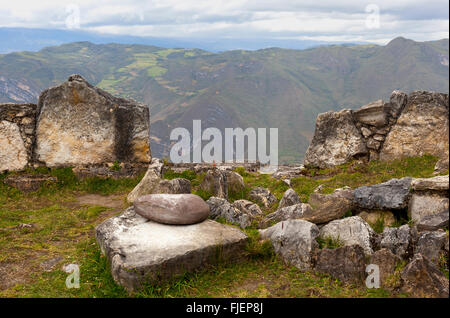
(393, 194)
(345, 263)
(295, 211)
(152, 183)
(141, 251)
(350, 231)
(263, 196)
(397, 102)
(220, 207)
(372, 217)
(328, 207)
(79, 124)
(174, 186)
(438, 183)
(373, 114)
(398, 240)
(441, 166)
(235, 182)
(241, 212)
(13, 154)
(290, 197)
(421, 278)
(387, 263)
(433, 222)
(422, 128)
(28, 183)
(294, 241)
(336, 140)
(248, 208)
(425, 204)
(431, 245)
(215, 183)
(178, 209)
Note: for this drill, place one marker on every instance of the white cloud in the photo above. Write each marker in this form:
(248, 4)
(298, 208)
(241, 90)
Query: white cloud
(342, 20)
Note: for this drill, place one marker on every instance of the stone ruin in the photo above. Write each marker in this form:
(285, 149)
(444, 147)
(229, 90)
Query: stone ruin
(407, 125)
(75, 124)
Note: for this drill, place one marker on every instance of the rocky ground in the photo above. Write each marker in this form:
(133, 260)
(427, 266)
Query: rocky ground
(42, 231)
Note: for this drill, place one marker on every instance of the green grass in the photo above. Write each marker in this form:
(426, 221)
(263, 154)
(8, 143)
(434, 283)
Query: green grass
(61, 228)
(355, 175)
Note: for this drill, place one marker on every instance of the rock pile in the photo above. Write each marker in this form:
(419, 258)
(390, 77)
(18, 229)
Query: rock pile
(407, 125)
(75, 124)
(17, 123)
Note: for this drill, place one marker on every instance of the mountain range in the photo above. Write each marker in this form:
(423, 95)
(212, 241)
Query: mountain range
(274, 87)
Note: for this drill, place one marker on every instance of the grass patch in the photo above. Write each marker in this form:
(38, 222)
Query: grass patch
(329, 242)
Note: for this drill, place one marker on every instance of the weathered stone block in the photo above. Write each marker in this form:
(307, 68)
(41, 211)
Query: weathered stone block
(79, 124)
(141, 251)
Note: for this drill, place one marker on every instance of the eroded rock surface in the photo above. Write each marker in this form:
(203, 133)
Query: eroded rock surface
(78, 124)
(336, 140)
(141, 251)
(294, 241)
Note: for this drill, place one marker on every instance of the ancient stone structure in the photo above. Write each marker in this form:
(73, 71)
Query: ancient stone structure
(17, 123)
(407, 125)
(78, 125)
(141, 251)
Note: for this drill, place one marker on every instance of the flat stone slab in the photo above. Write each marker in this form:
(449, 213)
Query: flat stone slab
(141, 251)
(439, 183)
(28, 183)
(179, 209)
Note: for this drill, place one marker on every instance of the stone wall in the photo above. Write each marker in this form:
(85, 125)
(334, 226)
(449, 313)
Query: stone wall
(17, 135)
(76, 124)
(407, 125)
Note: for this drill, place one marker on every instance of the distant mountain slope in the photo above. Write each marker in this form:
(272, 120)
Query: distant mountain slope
(265, 88)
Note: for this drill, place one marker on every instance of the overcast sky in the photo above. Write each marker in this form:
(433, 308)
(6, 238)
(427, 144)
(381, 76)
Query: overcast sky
(324, 20)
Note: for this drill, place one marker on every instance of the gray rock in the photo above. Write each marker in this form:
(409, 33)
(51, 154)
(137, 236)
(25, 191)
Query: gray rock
(329, 207)
(398, 240)
(431, 245)
(351, 231)
(295, 211)
(220, 207)
(294, 241)
(373, 216)
(390, 195)
(433, 222)
(215, 183)
(290, 197)
(175, 186)
(345, 263)
(263, 196)
(79, 125)
(13, 154)
(442, 165)
(235, 182)
(336, 140)
(422, 128)
(28, 183)
(152, 183)
(241, 212)
(438, 183)
(141, 251)
(425, 204)
(387, 263)
(421, 278)
(178, 209)
(397, 102)
(374, 114)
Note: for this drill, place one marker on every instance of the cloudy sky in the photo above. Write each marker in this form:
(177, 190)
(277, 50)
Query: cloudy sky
(323, 20)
